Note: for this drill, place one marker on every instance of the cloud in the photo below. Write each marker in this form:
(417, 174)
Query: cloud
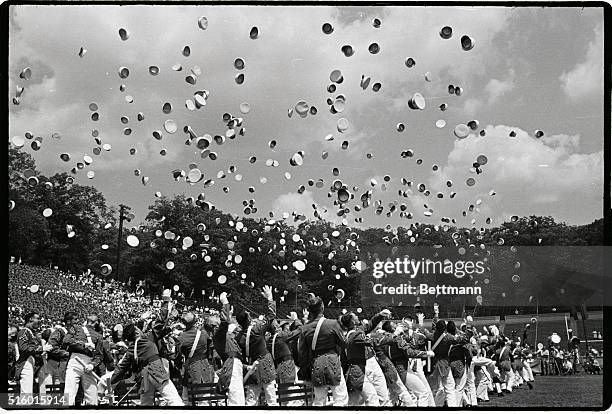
(496, 88)
(586, 78)
(534, 176)
(302, 204)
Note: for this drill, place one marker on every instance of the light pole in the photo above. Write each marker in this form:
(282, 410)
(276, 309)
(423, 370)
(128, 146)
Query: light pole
(122, 210)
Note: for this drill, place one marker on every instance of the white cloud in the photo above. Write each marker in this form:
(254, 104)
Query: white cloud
(496, 88)
(530, 176)
(586, 78)
(302, 204)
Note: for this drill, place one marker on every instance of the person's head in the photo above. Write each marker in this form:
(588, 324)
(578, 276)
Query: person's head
(32, 319)
(12, 332)
(212, 322)
(349, 321)
(131, 332)
(243, 318)
(440, 326)
(188, 319)
(389, 326)
(286, 327)
(315, 306)
(451, 328)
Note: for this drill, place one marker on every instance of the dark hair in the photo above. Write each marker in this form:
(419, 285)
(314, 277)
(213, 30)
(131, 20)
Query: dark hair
(243, 318)
(315, 305)
(129, 332)
(347, 320)
(387, 326)
(30, 315)
(188, 319)
(440, 326)
(451, 328)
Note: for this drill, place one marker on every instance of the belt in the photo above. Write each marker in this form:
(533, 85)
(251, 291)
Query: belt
(233, 355)
(80, 353)
(283, 359)
(317, 354)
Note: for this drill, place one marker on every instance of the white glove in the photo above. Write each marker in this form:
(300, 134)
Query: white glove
(88, 368)
(431, 354)
(386, 313)
(398, 330)
(421, 318)
(47, 348)
(223, 298)
(469, 318)
(89, 345)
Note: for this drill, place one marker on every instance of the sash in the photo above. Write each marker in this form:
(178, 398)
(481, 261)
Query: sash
(87, 334)
(248, 343)
(16, 352)
(438, 341)
(135, 352)
(195, 344)
(316, 333)
(273, 342)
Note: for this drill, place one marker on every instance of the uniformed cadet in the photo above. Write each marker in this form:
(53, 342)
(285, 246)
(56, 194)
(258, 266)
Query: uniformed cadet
(142, 358)
(30, 360)
(195, 344)
(279, 347)
(57, 359)
(251, 338)
(359, 349)
(321, 342)
(382, 339)
(230, 376)
(85, 347)
(402, 350)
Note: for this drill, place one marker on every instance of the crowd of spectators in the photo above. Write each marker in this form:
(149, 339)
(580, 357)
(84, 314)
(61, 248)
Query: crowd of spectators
(54, 292)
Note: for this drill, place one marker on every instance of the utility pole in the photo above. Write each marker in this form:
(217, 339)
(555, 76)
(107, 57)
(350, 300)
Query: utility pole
(122, 210)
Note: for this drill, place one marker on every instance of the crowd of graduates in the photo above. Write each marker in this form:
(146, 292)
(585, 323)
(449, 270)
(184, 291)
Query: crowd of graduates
(346, 361)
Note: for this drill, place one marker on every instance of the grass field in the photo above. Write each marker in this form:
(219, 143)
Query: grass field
(554, 391)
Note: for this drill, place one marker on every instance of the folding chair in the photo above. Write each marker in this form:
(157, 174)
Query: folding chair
(300, 391)
(200, 394)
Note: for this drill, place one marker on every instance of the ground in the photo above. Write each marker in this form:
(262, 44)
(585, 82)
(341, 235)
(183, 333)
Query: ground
(554, 391)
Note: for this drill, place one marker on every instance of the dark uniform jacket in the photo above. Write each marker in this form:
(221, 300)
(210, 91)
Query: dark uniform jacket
(224, 342)
(76, 338)
(198, 367)
(56, 339)
(257, 338)
(322, 365)
(146, 359)
(29, 346)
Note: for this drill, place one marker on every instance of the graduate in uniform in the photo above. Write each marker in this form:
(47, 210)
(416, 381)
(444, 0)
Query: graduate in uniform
(85, 347)
(321, 342)
(251, 338)
(142, 357)
(359, 349)
(30, 360)
(57, 358)
(230, 375)
(401, 351)
(195, 344)
(381, 340)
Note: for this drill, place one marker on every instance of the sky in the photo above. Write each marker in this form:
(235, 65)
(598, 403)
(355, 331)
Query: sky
(530, 69)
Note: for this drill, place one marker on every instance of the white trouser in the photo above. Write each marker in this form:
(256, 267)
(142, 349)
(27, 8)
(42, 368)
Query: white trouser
(367, 396)
(167, 392)
(443, 388)
(26, 379)
(235, 394)
(339, 394)
(254, 390)
(470, 386)
(377, 378)
(398, 390)
(527, 372)
(482, 384)
(460, 384)
(75, 375)
(415, 385)
(418, 370)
